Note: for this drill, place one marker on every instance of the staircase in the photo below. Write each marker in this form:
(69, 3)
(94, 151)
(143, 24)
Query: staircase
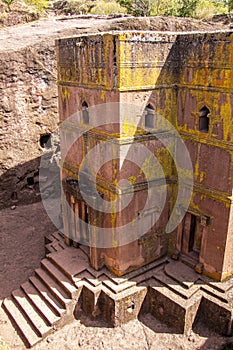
(170, 290)
(42, 304)
(54, 242)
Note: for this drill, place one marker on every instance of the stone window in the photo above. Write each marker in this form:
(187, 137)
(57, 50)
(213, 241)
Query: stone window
(204, 119)
(85, 113)
(149, 117)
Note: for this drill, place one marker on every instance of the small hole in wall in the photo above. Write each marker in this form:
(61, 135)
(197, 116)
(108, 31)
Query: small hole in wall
(14, 196)
(45, 141)
(130, 308)
(30, 180)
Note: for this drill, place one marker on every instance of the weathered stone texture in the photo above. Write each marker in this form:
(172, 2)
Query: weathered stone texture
(181, 77)
(28, 109)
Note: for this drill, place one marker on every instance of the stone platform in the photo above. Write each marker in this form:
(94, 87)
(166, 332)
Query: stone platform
(66, 285)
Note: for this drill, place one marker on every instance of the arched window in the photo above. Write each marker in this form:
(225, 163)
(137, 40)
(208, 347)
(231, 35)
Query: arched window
(149, 117)
(204, 119)
(85, 113)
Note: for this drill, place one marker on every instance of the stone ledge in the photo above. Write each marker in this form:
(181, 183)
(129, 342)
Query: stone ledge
(170, 290)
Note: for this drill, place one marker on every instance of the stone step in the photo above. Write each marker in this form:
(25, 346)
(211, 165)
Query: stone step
(85, 249)
(58, 236)
(144, 277)
(54, 288)
(181, 274)
(60, 278)
(36, 321)
(222, 287)
(62, 244)
(215, 293)
(39, 304)
(54, 247)
(87, 276)
(187, 261)
(139, 275)
(58, 246)
(118, 288)
(49, 249)
(174, 286)
(49, 238)
(71, 262)
(29, 336)
(49, 298)
(55, 236)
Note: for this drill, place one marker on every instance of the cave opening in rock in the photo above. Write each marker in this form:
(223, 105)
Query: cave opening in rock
(45, 141)
(30, 180)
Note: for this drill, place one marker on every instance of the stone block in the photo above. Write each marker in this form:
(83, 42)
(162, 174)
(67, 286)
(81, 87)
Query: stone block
(172, 309)
(122, 308)
(217, 315)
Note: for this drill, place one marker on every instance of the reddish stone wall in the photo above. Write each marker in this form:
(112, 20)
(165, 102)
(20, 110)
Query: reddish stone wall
(178, 75)
(205, 79)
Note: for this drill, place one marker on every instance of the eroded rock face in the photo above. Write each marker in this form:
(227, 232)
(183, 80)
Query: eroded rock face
(28, 104)
(19, 12)
(28, 115)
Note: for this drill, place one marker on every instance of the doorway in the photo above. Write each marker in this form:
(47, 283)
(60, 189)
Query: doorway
(192, 236)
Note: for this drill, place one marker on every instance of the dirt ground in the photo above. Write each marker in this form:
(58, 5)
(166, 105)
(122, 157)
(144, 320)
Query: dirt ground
(21, 249)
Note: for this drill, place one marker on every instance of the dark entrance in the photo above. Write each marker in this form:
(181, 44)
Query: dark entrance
(192, 236)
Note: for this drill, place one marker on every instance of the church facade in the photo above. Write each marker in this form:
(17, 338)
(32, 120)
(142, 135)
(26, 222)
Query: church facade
(121, 96)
